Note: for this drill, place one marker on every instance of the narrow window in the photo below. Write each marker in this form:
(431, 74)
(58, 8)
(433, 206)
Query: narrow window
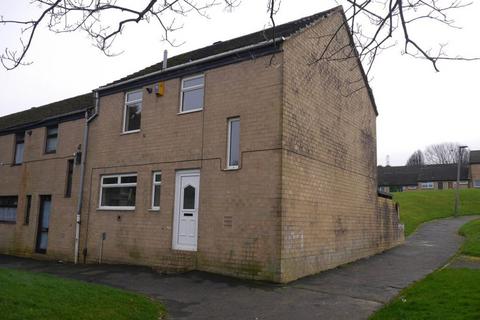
(8, 209)
(19, 148)
(52, 139)
(28, 206)
(233, 156)
(118, 192)
(192, 92)
(157, 183)
(68, 187)
(133, 111)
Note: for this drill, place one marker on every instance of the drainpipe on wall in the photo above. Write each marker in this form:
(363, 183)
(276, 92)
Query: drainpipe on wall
(82, 176)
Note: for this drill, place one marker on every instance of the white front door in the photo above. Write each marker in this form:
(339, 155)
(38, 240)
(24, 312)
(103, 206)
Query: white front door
(185, 222)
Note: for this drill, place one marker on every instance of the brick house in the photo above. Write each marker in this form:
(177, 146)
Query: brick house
(427, 177)
(241, 158)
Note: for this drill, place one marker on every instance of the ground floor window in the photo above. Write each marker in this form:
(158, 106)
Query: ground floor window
(426, 185)
(157, 183)
(8, 208)
(118, 192)
(476, 183)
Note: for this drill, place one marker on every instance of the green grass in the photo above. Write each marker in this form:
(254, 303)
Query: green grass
(417, 207)
(26, 295)
(471, 231)
(445, 294)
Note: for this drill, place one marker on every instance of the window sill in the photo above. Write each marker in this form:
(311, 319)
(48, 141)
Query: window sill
(16, 164)
(8, 222)
(154, 210)
(50, 152)
(189, 111)
(232, 168)
(116, 209)
(130, 132)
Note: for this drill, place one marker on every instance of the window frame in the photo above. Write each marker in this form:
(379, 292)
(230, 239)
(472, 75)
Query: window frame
(182, 90)
(119, 184)
(69, 178)
(50, 136)
(229, 136)
(125, 108)
(3, 221)
(427, 185)
(154, 184)
(17, 136)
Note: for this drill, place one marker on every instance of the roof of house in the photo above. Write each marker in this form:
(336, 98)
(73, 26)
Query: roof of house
(411, 175)
(474, 156)
(283, 30)
(38, 115)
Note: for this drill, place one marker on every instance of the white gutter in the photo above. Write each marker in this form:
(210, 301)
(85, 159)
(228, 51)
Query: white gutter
(82, 177)
(183, 65)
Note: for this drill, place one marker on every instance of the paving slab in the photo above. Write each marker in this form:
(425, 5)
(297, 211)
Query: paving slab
(352, 291)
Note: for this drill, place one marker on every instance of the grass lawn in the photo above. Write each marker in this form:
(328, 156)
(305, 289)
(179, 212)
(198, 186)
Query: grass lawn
(26, 295)
(445, 294)
(417, 207)
(471, 231)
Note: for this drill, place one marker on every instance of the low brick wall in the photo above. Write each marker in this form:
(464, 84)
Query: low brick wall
(388, 218)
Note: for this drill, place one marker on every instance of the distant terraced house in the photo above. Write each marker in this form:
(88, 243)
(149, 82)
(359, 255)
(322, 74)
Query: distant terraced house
(240, 158)
(430, 177)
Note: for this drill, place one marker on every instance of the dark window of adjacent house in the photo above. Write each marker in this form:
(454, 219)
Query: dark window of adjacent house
(19, 147)
(8, 209)
(28, 206)
(68, 187)
(52, 139)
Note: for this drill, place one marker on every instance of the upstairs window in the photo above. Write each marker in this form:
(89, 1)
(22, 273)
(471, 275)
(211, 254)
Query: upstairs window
(8, 209)
(157, 183)
(133, 111)
(191, 97)
(69, 182)
(52, 139)
(19, 148)
(118, 192)
(233, 151)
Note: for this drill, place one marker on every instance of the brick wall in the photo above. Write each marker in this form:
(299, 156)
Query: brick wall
(41, 174)
(329, 187)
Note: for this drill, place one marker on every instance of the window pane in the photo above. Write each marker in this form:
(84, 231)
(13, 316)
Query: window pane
(476, 183)
(193, 99)
(156, 196)
(68, 188)
(119, 197)
(27, 210)
(189, 198)
(193, 82)
(133, 96)
(131, 179)
(133, 117)
(51, 145)
(19, 153)
(234, 156)
(110, 180)
(52, 131)
(8, 208)
(158, 177)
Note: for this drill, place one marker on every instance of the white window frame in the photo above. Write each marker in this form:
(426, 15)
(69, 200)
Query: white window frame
(117, 185)
(154, 184)
(125, 105)
(182, 90)
(476, 183)
(427, 185)
(229, 129)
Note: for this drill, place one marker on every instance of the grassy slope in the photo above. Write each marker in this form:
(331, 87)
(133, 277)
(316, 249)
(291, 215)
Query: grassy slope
(445, 294)
(417, 207)
(25, 295)
(471, 231)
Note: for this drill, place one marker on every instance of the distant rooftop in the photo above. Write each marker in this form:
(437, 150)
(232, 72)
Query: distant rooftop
(411, 175)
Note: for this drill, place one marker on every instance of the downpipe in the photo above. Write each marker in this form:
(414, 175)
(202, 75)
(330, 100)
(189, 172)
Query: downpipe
(82, 177)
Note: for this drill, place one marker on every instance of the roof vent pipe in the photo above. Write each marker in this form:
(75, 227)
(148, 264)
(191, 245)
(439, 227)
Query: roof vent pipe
(165, 57)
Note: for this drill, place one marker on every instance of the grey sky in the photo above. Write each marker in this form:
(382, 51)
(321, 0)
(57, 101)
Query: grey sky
(417, 106)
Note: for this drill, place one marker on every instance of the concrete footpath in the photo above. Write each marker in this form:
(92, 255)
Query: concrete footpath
(353, 291)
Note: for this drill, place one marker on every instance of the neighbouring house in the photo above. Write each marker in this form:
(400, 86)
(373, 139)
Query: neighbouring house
(475, 168)
(242, 158)
(427, 177)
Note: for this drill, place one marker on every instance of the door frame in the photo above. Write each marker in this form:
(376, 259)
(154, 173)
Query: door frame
(176, 211)
(42, 199)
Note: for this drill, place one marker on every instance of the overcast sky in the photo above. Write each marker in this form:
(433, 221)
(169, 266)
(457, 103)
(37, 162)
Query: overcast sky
(417, 105)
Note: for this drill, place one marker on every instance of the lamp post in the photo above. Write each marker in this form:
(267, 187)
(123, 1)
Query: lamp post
(457, 192)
